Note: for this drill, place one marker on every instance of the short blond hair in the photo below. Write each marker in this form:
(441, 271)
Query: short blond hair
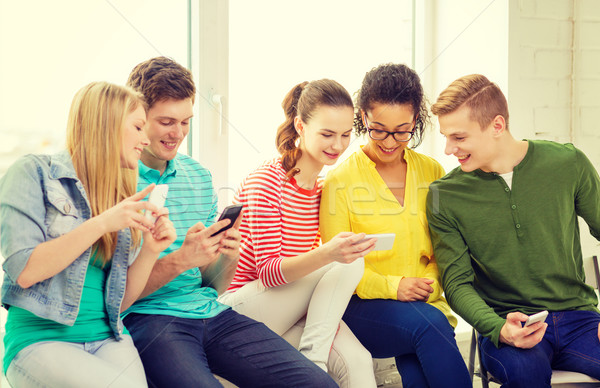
(94, 133)
(483, 97)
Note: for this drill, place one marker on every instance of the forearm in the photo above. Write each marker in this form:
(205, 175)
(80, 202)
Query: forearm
(467, 303)
(219, 274)
(163, 271)
(374, 285)
(294, 268)
(53, 256)
(137, 276)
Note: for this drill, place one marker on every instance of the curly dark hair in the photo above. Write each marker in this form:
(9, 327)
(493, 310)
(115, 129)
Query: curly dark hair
(392, 83)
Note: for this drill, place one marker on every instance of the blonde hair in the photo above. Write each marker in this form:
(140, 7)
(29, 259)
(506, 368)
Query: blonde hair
(94, 133)
(483, 97)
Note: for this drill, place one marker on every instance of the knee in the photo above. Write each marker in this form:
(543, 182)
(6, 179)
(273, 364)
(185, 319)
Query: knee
(350, 366)
(354, 270)
(435, 322)
(517, 372)
(340, 363)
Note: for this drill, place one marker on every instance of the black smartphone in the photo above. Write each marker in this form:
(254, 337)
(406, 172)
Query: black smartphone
(232, 212)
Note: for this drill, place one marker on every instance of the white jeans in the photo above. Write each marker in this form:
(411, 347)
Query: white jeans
(322, 297)
(101, 364)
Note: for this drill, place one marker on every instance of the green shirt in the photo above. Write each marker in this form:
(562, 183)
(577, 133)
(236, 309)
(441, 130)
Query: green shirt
(501, 250)
(24, 328)
(191, 199)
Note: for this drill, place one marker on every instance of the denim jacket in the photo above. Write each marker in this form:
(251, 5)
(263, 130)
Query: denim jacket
(41, 198)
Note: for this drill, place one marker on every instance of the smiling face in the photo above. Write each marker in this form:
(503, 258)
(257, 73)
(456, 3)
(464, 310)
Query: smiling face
(474, 147)
(133, 138)
(327, 134)
(167, 126)
(391, 118)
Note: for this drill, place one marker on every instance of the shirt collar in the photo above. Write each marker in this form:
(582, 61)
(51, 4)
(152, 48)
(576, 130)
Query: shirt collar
(61, 166)
(154, 175)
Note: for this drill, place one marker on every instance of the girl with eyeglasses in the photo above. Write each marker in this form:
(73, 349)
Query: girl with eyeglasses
(284, 272)
(398, 309)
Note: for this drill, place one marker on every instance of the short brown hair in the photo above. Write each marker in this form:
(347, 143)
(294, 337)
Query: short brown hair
(483, 97)
(162, 78)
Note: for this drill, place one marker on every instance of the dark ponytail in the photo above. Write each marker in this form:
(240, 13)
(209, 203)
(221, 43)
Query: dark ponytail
(286, 133)
(302, 101)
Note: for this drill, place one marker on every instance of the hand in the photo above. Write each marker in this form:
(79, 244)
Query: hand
(127, 213)
(199, 248)
(346, 247)
(513, 333)
(230, 241)
(414, 289)
(162, 233)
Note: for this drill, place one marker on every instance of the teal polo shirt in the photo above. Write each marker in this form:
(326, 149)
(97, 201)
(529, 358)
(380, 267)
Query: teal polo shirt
(191, 199)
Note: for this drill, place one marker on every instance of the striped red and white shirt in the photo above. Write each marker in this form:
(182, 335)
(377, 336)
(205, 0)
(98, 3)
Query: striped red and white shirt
(280, 220)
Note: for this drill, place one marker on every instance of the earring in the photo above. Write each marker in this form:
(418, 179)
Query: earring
(297, 142)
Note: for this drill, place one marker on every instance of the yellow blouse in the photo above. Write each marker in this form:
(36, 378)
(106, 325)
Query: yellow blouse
(355, 198)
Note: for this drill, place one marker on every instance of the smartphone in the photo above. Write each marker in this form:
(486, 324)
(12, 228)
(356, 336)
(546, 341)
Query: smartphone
(539, 317)
(231, 212)
(385, 241)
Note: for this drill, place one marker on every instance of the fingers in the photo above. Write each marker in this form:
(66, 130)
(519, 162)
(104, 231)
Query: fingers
(142, 194)
(534, 337)
(516, 317)
(239, 220)
(364, 247)
(198, 227)
(349, 234)
(214, 228)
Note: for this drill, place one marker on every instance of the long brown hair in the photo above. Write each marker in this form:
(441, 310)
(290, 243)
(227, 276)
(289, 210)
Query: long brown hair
(302, 101)
(94, 133)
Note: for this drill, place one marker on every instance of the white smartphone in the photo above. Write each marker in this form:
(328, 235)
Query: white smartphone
(385, 241)
(538, 317)
(158, 196)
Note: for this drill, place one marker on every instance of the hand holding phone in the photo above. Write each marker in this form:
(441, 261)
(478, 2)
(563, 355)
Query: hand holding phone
(231, 212)
(385, 241)
(539, 317)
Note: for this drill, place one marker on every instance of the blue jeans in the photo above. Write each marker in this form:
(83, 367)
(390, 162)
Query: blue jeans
(570, 343)
(182, 352)
(417, 334)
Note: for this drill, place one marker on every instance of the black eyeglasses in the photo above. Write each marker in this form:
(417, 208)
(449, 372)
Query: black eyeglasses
(378, 134)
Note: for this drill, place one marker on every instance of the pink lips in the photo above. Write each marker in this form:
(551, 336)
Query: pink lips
(465, 160)
(169, 147)
(387, 152)
(331, 156)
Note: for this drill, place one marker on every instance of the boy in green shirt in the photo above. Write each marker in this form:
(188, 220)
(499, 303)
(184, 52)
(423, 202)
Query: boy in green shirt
(506, 237)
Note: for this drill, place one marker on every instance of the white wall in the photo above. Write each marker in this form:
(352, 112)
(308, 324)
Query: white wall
(50, 49)
(554, 77)
(460, 38)
(274, 46)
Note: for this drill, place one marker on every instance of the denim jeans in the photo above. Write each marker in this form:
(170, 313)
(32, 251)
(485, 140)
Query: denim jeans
(101, 364)
(182, 352)
(570, 343)
(417, 334)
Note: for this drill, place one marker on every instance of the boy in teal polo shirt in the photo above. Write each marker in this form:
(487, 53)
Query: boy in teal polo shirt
(182, 333)
(506, 237)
